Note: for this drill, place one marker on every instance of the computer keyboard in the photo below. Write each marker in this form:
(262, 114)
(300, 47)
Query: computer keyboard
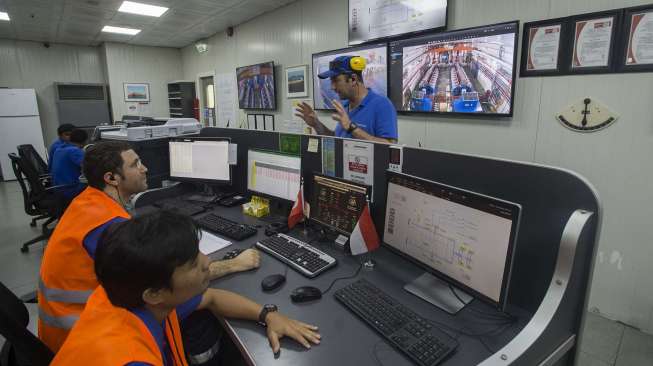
(226, 227)
(422, 342)
(180, 206)
(300, 256)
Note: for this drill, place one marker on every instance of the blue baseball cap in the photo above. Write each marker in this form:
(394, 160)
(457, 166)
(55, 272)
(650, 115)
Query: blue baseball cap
(339, 65)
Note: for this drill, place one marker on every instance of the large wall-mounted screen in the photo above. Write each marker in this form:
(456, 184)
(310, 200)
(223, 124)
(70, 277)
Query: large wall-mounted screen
(375, 75)
(375, 19)
(465, 71)
(256, 86)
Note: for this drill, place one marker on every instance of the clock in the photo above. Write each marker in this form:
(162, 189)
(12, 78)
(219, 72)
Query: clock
(587, 115)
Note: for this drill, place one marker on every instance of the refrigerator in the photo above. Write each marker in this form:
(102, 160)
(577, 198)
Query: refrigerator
(19, 124)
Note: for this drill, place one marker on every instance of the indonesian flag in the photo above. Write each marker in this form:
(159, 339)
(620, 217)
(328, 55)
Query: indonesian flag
(297, 212)
(364, 237)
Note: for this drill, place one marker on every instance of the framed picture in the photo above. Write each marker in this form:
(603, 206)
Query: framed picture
(593, 42)
(137, 92)
(542, 47)
(637, 52)
(296, 81)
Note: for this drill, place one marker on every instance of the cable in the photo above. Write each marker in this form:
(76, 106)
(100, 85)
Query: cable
(375, 352)
(343, 278)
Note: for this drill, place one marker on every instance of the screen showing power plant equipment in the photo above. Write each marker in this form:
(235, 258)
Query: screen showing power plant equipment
(465, 71)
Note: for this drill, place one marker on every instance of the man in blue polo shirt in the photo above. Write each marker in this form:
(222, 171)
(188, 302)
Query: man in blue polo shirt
(363, 115)
(67, 164)
(64, 132)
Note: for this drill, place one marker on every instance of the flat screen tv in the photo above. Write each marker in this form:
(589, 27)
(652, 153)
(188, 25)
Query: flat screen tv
(467, 71)
(373, 19)
(256, 86)
(375, 75)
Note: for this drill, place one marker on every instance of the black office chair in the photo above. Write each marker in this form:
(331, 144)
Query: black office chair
(28, 152)
(22, 348)
(38, 199)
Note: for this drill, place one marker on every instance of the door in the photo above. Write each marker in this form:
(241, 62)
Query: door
(207, 99)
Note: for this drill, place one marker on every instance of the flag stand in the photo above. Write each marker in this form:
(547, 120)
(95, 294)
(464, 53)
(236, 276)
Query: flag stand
(369, 263)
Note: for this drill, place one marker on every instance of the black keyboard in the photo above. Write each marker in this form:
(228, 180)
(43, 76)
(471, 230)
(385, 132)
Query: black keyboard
(180, 206)
(300, 256)
(226, 227)
(422, 342)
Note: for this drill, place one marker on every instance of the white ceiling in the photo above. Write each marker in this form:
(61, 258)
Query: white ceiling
(80, 21)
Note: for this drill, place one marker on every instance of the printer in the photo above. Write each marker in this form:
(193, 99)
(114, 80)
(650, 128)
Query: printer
(172, 127)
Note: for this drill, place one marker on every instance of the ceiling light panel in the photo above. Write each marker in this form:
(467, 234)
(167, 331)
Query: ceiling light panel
(142, 9)
(120, 30)
(4, 16)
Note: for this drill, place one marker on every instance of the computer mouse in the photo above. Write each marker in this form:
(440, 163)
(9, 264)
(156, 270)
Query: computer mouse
(272, 282)
(305, 293)
(232, 254)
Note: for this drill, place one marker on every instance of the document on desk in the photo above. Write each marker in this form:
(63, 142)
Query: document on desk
(211, 243)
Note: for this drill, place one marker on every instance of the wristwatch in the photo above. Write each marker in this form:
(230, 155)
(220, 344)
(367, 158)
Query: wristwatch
(267, 308)
(352, 127)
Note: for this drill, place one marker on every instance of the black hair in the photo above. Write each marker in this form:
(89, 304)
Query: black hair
(101, 158)
(66, 127)
(78, 136)
(143, 253)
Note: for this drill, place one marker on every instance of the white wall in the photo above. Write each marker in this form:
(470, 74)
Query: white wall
(25, 64)
(614, 160)
(138, 64)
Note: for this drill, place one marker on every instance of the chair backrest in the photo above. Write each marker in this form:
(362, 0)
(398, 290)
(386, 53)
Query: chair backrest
(18, 172)
(14, 317)
(29, 153)
(31, 172)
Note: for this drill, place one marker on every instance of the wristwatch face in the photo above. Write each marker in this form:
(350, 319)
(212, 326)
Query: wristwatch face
(267, 308)
(352, 127)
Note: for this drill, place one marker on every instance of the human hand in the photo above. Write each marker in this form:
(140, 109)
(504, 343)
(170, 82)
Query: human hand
(248, 259)
(341, 115)
(306, 112)
(279, 326)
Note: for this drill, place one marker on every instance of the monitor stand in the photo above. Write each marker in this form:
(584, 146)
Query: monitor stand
(437, 292)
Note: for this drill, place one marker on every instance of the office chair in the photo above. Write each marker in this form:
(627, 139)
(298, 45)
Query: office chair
(28, 151)
(22, 348)
(38, 199)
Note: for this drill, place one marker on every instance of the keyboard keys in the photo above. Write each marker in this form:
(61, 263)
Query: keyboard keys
(226, 227)
(300, 256)
(403, 328)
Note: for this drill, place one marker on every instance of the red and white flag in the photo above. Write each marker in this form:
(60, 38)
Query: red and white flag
(297, 212)
(364, 237)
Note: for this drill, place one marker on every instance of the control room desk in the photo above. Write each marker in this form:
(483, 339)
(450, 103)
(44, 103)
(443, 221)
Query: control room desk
(346, 340)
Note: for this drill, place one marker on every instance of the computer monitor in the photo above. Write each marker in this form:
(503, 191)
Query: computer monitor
(273, 174)
(375, 75)
(463, 238)
(201, 159)
(470, 71)
(337, 203)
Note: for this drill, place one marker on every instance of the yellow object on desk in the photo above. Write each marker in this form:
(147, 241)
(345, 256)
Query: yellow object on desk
(257, 207)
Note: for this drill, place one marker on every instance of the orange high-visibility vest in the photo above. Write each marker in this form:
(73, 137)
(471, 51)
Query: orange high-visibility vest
(67, 276)
(109, 335)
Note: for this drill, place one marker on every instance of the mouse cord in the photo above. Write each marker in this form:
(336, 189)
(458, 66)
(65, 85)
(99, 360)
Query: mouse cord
(343, 278)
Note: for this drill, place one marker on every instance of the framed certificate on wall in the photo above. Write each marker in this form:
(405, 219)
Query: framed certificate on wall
(542, 47)
(593, 41)
(637, 53)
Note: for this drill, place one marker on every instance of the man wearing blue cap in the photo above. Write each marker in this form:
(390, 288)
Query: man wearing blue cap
(364, 114)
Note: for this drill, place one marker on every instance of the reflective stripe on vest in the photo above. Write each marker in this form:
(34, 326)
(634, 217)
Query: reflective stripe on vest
(63, 322)
(60, 295)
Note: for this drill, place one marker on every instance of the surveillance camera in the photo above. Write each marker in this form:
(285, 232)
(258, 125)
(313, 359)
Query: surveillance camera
(46, 44)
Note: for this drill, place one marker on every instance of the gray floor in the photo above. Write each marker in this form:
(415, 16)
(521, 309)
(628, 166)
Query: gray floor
(605, 342)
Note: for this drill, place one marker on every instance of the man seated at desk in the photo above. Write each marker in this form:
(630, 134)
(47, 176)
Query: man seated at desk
(67, 279)
(152, 274)
(64, 132)
(67, 164)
